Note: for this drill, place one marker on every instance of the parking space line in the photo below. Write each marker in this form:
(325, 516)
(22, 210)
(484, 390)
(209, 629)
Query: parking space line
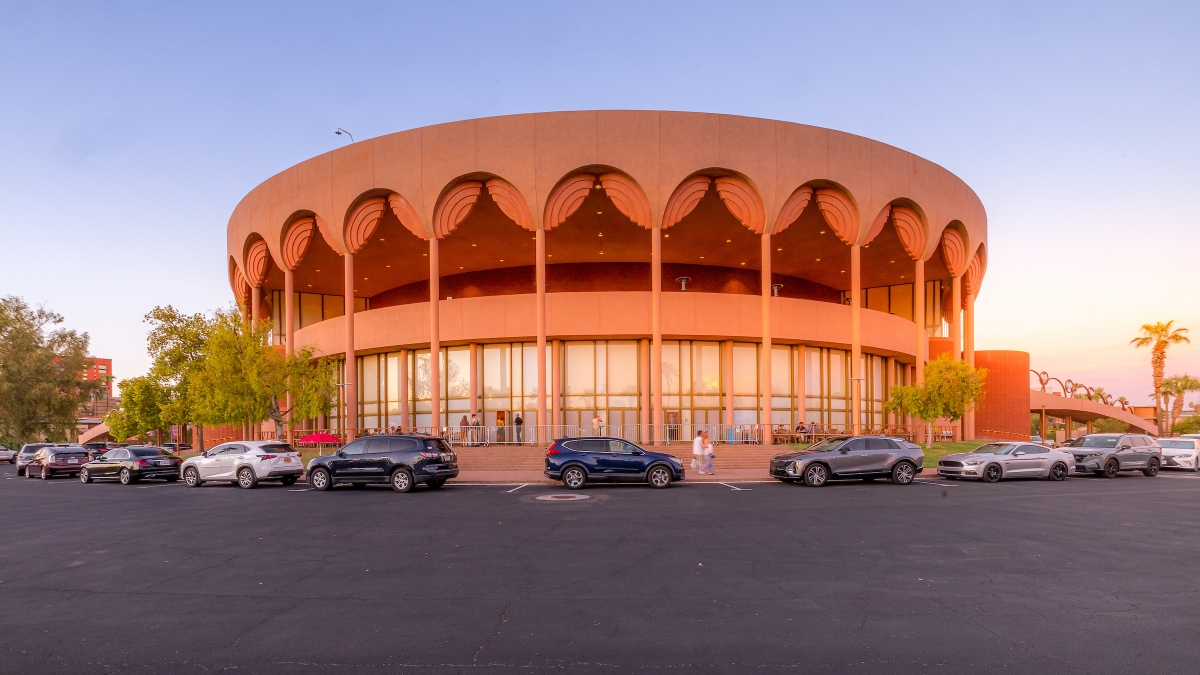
(518, 487)
(732, 487)
(147, 487)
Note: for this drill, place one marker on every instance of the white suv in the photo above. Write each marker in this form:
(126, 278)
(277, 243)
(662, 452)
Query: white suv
(244, 463)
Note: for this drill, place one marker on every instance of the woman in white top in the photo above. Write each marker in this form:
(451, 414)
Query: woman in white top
(702, 453)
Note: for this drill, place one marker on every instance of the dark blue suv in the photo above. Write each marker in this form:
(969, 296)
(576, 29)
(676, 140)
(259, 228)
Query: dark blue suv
(402, 461)
(575, 461)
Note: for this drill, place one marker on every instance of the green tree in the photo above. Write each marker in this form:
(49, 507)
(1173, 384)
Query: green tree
(1178, 387)
(242, 378)
(950, 387)
(1187, 425)
(176, 343)
(1159, 336)
(141, 409)
(1108, 425)
(41, 388)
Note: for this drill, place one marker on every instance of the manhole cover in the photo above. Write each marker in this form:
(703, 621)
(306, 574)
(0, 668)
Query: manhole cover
(562, 498)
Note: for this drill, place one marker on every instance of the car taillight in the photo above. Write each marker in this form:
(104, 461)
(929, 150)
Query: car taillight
(142, 462)
(430, 455)
(552, 450)
(268, 457)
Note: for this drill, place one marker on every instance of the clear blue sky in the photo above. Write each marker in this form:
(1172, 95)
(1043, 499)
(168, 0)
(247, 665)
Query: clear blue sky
(130, 131)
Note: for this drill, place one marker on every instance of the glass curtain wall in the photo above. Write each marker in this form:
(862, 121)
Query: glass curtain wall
(898, 300)
(692, 383)
(600, 379)
(310, 308)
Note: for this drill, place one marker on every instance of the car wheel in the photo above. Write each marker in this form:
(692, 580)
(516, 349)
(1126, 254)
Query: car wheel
(1151, 469)
(574, 477)
(246, 478)
(816, 475)
(402, 480)
(84, 476)
(435, 484)
(903, 473)
(659, 476)
(126, 476)
(1111, 469)
(992, 473)
(46, 473)
(1059, 471)
(288, 481)
(319, 480)
(191, 477)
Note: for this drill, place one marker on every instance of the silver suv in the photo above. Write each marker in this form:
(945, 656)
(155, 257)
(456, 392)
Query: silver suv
(244, 463)
(863, 457)
(1110, 454)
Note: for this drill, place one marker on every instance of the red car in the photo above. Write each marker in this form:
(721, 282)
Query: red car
(56, 461)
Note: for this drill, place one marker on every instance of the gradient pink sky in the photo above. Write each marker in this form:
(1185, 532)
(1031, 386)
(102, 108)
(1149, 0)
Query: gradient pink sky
(132, 130)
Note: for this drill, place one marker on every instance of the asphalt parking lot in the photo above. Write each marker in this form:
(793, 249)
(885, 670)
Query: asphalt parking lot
(1088, 576)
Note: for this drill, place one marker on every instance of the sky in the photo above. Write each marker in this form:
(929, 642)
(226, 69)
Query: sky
(129, 131)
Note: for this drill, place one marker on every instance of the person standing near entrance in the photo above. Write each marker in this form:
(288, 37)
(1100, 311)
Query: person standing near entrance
(462, 431)
(597, 425)
(698, 445)
(518, 428)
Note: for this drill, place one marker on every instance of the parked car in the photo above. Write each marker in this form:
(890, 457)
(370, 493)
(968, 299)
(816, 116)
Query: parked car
(994, 461)
(132, 464)
(7, 455)
(402, 461)
(244, 463)
(56, 460)
(1180, 453)
(842, 457)
(26, 455)
(96, 449)
(575, 461)
(1109, 454)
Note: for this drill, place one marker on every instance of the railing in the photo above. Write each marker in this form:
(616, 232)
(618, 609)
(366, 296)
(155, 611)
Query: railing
(646, 434)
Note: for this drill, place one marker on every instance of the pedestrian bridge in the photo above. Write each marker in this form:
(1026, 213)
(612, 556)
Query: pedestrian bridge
(1084, 410)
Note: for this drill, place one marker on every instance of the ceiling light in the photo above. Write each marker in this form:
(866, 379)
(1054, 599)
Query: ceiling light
(702, 257)
(424, 254)
(743, 263)
(728, 241)
(310, 285)
(901, 276)
(778, 249)
(822, 231)
(388, 265)
(364, 278)
(601, 234)
(597, 186)
(502, 260)
(893, 261)
(460, 267)
(599, 213)
(667, 236)
(818, 260)
(318, 270)
(381, 239)
(601, 252)
(843, 271)
(472, 244)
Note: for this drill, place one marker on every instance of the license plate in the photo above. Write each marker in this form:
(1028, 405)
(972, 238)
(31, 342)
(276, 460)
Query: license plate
(287, 459)
(72, 461)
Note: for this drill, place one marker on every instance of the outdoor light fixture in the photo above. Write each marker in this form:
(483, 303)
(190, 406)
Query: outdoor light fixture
(775, 289)
(683, 282)
(341, 131)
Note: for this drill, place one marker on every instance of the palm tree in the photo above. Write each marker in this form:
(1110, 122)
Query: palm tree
(1159, 336)
(1179, 386)
(1124, 402)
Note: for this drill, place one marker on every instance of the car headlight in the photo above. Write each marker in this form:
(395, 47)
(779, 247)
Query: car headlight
(792, 468)
(677, 461)
(974, 462)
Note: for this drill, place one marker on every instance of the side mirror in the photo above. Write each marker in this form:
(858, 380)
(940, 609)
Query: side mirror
(1019, 453)
(204, 454)
(341, 454)
(1125, 447)
(639, 452)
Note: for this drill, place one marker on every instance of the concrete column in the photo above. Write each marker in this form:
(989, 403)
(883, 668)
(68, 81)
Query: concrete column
(255, 306)
(644, 387)
(404, 391)
(435, 335)
(540, 256)
(969, 353)
(1042, 433)
(656, 329)
(289, 328)
(556, 384)
(728, 372)
(474, 378)
(922, 352)
(765, 367)
(889, 377)
(856, 338)
(800, 385)
(351, 381)
(956, 318)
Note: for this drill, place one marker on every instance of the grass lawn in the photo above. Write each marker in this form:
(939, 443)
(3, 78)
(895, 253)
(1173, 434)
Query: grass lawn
(935, 452)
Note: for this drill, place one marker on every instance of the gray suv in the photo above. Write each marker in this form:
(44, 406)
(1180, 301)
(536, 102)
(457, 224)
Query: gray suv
(862, 457)
(1110, 454)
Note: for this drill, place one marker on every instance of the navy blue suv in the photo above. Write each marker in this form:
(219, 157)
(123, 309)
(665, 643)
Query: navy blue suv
(575, 461)
(402, 461)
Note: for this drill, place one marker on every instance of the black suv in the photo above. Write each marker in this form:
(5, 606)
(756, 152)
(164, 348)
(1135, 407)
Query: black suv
(403, 461)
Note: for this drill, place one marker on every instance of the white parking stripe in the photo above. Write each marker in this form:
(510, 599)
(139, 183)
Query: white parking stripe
(731, 487)
(518, 487)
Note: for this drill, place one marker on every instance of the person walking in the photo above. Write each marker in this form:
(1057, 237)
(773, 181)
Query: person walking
(706, 463)
(518, 428)
(698, 445)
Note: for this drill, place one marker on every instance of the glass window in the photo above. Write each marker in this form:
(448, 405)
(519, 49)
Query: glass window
(333, 305)
(1177, 444)
(496, 380)
(901, 299)
(458, 372)
(376, 445)
(393, 383)
(421, 379)
(586, 445)
(745, 369)
(369, 383)
(580, 368)
(670, 368)
(837, 373)
(278, 447)
(879, 444)
(706, 369)
(403, 444)
(1032, 449)
(857, 444)
(623, 368)
(781, 370)
(877, 298)
(310, 309)
(529, 369)
(1099, 442)
(356, 448)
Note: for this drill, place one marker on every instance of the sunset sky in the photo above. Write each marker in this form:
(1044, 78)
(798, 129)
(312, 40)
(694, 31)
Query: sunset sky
(130, 133)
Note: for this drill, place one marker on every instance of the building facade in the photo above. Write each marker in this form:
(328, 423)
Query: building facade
(645, 269)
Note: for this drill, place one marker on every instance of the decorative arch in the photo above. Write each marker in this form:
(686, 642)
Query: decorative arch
(839, 212)
(910, 227)
(684, 199)
(258, 262)
(743, 202)
(297, 238)
(407, 215)
(363, 221)
(511, 202)
(628, 197)
(973, 277)
(792, 208)
(241, 288)
(954, 250)
(454, 206)
(566, 199)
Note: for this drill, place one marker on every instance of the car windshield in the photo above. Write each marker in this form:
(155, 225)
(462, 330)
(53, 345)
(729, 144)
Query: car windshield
(994, 449)
(1098, 442)
(827, 444)
(277, 447)
(1175, 443)
(437, 444)
(148, 452)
